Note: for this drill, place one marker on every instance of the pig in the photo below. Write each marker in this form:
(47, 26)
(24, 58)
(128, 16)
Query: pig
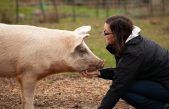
(30, 53)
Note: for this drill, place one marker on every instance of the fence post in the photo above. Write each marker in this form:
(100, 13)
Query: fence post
(17, 11)
(107, 8)
(97, 8)
(74, 11)
(125, 3)
(163, 7)
(42, 9)
(151, 7)
(56, 10)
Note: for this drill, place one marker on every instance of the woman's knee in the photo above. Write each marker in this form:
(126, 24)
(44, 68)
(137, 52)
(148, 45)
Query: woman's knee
(132, 98)
(150, 89)
(141, 102)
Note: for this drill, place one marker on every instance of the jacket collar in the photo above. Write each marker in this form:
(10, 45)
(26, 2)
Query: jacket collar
(134, 41)
(135, 32)
(134, 38)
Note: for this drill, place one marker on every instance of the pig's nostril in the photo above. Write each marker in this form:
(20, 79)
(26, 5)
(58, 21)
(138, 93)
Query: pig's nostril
(103, 62)
(100, 64)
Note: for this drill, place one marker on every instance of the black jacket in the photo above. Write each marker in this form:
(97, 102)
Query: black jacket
(142, 59)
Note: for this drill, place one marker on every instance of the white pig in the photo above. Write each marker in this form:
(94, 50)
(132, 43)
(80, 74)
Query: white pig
(30, 53)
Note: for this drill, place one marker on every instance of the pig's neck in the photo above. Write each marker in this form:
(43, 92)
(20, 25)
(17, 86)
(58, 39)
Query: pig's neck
(61, 67)
(55, 68)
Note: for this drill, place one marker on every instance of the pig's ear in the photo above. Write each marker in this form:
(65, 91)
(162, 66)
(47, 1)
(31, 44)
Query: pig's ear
(79, 41)
(83, 30)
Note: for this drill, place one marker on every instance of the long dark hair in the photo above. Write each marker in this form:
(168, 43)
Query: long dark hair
(121, 28)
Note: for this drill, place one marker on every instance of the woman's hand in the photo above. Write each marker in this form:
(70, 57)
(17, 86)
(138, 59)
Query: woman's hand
(90, 74)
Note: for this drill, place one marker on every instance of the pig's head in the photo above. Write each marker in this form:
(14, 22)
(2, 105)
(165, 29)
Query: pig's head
(80, 57)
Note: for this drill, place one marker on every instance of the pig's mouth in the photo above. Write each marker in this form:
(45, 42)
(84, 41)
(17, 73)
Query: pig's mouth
(89, 70)
(95, 67)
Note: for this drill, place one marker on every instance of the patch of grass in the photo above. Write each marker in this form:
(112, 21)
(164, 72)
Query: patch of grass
(28, 10)
(156, 29)
(7, 11)
(67, 11)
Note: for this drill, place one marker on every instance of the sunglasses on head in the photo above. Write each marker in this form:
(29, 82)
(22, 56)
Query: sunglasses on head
(106, 33)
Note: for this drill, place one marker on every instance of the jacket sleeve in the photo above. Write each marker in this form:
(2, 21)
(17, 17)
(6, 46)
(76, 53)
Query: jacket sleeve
(107, 73)
(124, 76)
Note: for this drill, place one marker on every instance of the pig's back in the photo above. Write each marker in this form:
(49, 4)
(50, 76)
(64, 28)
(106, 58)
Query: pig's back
(17, 41)
(13, 40)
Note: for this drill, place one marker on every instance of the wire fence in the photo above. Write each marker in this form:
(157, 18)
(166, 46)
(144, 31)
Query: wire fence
(54, 10)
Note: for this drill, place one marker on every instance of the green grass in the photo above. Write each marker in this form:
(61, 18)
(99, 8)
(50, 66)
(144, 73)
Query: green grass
(89, 11)
(28, 10)
(156, 28)
(7, 7)
(66, 10)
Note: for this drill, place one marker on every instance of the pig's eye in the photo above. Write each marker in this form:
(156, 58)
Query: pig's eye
(81, 50)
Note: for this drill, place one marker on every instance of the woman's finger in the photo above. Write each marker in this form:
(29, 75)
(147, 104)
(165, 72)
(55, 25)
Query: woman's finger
(89, 74)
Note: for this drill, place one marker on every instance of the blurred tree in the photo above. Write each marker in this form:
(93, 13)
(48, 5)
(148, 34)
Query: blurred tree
(54, 2)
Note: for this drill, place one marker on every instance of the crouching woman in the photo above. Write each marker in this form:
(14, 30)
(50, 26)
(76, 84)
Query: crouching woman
(141, 76)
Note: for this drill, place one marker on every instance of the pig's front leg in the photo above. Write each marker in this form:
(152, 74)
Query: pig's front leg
(27, 81)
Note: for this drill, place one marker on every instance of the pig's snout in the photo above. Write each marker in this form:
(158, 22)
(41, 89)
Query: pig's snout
(97, 65)
(100, 64)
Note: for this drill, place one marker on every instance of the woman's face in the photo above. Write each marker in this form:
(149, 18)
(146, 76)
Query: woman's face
(108, 35)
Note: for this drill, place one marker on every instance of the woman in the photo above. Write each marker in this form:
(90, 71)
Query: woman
(141, 76)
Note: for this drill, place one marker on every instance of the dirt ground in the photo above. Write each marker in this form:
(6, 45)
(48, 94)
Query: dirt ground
(59, 92)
